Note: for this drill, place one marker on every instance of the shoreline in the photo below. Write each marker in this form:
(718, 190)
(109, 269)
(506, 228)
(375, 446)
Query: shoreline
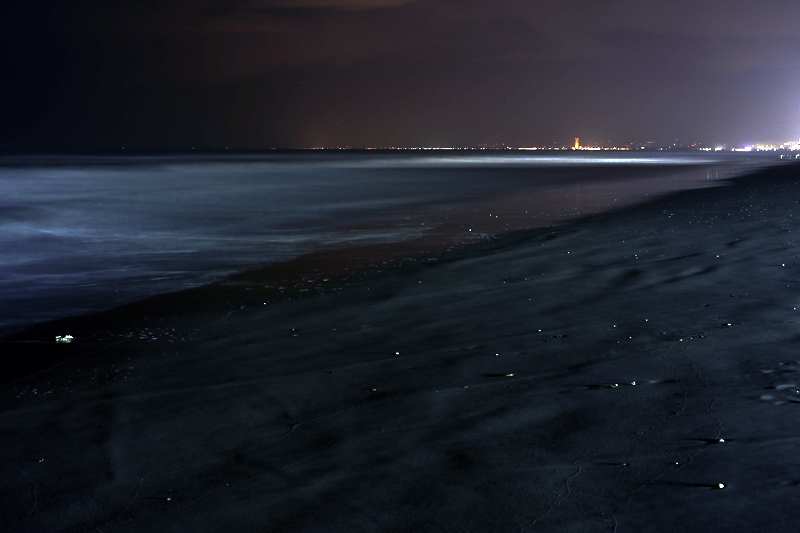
(577, 377)
(308, 274)
(449, 210)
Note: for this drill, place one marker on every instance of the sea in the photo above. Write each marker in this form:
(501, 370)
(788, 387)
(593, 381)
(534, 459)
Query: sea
(85, 233)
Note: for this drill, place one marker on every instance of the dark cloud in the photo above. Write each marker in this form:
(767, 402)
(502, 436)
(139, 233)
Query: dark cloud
(279, 72)
(339, 4)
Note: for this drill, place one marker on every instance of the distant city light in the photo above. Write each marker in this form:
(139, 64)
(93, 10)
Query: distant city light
(671, 145)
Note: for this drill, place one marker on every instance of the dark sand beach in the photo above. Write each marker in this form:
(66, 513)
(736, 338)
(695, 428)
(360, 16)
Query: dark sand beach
(630, 371)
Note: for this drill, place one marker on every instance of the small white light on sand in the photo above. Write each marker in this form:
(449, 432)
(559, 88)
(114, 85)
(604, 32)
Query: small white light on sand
(721, 440)
(720, 485)
(397, 353)
(509, 375)
(633, 383)
(170, 499)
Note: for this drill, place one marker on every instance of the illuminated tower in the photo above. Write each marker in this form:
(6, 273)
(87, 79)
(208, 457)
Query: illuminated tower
(577, 143)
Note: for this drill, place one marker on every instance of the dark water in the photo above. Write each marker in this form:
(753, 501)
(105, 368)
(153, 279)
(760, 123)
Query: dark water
(80, 234)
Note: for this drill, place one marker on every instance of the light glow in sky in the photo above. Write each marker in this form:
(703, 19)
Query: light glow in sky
(404, 73)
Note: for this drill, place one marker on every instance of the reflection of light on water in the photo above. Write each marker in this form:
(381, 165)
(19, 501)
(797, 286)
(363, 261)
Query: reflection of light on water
(575, 160)
(557, 203)
(526, 160)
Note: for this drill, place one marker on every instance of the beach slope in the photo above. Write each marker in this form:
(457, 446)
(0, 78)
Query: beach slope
(631, 371)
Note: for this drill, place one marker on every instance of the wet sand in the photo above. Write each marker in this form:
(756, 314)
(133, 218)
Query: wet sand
(631, 371)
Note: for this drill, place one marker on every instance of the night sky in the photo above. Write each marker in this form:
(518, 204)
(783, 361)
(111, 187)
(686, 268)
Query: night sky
(176, 74)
